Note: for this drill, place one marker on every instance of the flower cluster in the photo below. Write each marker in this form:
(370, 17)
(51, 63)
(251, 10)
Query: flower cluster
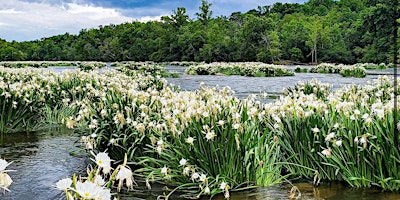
(356, 70)
(97, 185)
(239, 68)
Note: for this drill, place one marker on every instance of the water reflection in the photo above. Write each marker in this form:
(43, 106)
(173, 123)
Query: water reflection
(40, 160)
(332, 191)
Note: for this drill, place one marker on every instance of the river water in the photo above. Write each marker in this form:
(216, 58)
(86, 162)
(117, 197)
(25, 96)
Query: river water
(42, 158)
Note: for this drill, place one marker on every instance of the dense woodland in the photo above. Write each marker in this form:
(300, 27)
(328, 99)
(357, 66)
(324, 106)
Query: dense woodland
(342, 31)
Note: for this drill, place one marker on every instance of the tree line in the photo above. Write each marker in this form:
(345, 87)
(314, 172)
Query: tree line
(344, 31)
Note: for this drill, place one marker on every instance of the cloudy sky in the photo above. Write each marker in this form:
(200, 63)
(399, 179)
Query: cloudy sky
(25, 20)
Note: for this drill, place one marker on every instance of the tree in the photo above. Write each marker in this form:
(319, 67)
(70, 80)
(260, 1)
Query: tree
(204, 16)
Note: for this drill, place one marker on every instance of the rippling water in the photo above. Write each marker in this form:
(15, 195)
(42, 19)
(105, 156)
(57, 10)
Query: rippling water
(40, 159)
(243, 86)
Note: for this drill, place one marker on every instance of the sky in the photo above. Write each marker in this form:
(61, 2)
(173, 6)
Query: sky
(27, 20)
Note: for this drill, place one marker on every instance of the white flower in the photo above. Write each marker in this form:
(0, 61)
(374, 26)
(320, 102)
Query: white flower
(195, 176)
(223, 185)
(5, 180)
(336, 125)
(64, 184)
(3, 164)
(338, 143)
(186, 171)
(210, 135)
(160, 142)
(88, 190)
(207, 190)
(203, 178)
(190, 140)
(102, 160)
(327, 152)
(164, 170)
(112, 141)
(99, 181)
(182, 162)
(159, 149)
(14, 104)
(236, 126)
(104, 194)
(315, 130)
(330, 136)
(103, 113)
(365, 116)
(124, 174)
(221, 122)
(362, 140)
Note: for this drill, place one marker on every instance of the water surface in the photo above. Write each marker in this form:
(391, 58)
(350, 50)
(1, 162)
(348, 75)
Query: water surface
(39, 159)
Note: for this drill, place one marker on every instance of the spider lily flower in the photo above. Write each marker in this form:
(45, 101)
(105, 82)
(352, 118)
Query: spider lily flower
(327, 152)
(102, 160)
(64, 184)
(164, 170)
(223, 185)
(3, 165)
(315, 130)
(89, 190)
(329, 136)
(195, 176)
(207, 190)
(203, 177)
(5, 179)
(210, 135)
(182, 162)
(125, 174)
(186, 171)
(190, 140)
(338, 143)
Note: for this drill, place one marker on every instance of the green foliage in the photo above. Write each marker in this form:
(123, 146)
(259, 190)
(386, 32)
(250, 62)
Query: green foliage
(357, 70)
(243, 69)
(345, 31)
(345, 139)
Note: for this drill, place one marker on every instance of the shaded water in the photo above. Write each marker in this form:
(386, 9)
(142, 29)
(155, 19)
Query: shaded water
(42, 158)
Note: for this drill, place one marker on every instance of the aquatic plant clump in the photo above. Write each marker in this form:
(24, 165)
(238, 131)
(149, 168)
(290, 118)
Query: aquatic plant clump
(149, 68)
(347, 135)
(99, 181)
(356, 70)
(242, 69)
(45, 64)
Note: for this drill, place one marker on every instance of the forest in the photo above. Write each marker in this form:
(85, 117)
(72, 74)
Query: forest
(341, 31)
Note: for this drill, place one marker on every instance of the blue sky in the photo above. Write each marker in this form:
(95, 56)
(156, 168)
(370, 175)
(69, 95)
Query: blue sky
(25, 20)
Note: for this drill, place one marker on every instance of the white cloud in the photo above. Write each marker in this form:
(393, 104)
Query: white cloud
(23, 20)
(33, 20)
(150, 18)
(10, 11)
